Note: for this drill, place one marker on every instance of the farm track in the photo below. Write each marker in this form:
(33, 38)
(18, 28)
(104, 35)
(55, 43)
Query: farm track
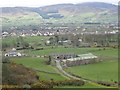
(59, 67)
(65, 73)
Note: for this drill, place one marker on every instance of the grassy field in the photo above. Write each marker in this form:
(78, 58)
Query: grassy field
(60, 50)
(100, 71)
(104, 71)
(109, 52)
(32, 40)
(39, 64)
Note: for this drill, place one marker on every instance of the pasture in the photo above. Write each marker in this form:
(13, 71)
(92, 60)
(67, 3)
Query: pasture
(107, 70)
(103, 71)
(32, 40)
(109, 52)
(45, 72)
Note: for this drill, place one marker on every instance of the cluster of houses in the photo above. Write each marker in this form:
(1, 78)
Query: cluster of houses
(47, 33)
(30, 33)
(67, 29)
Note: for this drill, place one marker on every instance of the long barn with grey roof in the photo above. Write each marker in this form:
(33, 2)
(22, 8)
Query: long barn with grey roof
(80, 60)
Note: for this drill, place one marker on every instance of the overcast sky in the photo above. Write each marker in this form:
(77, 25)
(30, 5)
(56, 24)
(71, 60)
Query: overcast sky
(38, 3)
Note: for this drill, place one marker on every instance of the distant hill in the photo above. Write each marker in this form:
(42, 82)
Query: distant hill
(64, 13)
(98, 5)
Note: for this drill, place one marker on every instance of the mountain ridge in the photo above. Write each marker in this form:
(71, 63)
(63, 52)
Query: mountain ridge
(63, 13)
(57, 6)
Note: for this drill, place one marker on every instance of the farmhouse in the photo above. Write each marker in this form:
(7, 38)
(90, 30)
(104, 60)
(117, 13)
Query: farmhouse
(5, 34)
(13, 54)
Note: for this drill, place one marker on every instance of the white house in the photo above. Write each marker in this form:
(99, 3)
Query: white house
(4, 34)
(48, 42)
(13, 54)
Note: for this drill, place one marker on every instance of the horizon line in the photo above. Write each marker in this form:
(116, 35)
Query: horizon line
(58, 4)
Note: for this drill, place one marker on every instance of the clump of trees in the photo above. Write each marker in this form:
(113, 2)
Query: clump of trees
(106, 83)
(48, 62)
(19, 43)
(42, 84)
(5, 60)
(71, 83)
(22, 43)
(5, 45)
(97, 40)
(52, 83)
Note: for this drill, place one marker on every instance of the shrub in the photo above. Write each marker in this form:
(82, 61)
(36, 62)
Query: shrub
(5, 60)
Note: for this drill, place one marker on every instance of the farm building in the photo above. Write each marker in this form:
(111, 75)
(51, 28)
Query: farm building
(62, 56)
(13, 54)
(80, 60)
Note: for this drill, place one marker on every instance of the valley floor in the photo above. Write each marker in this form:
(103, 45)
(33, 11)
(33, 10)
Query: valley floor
(107, 70)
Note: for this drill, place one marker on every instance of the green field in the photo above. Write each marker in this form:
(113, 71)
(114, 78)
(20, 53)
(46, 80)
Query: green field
(39, 64)
(76, 22)
(98, 71)
(103, 71)
(36, 39)
(61, 50)
(109, 52)
(107, 70)
(31, 40)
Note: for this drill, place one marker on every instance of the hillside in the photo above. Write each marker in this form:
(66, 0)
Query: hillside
(60, 13)
(14, 74)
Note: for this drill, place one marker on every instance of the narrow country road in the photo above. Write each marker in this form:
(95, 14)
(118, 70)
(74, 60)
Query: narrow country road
(65, 73)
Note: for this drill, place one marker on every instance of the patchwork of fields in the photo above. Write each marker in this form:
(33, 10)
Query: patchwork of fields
(106, 70)
(42, 46)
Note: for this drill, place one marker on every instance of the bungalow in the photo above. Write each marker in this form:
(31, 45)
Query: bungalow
(5, 34)
(13, 54)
